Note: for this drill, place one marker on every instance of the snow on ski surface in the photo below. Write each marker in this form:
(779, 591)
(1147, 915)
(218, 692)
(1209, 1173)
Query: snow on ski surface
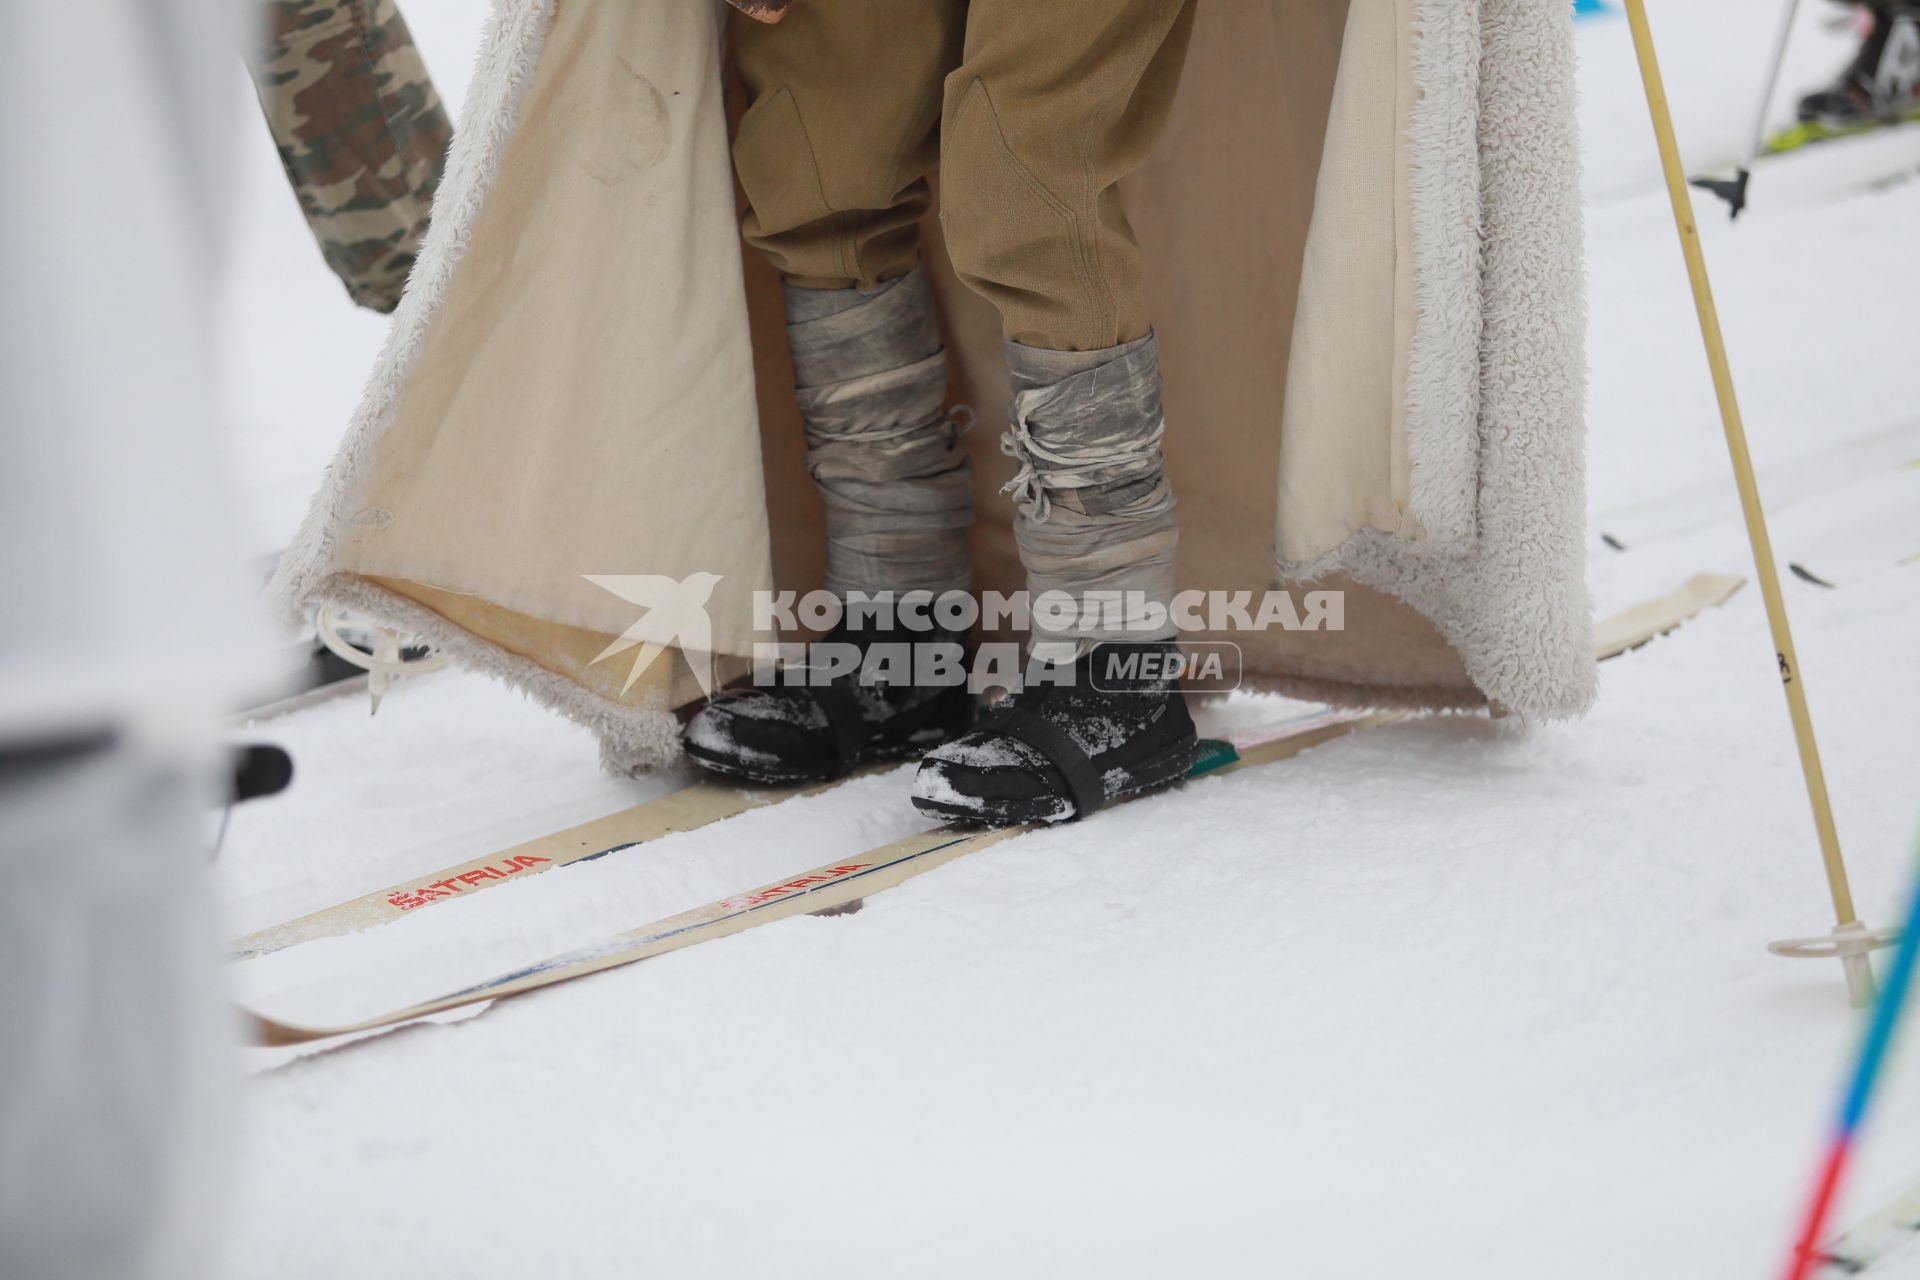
(1442, 999)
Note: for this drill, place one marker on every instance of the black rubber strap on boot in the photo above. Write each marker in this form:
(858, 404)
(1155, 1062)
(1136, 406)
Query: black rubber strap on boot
(1084, 787)
(845, 719)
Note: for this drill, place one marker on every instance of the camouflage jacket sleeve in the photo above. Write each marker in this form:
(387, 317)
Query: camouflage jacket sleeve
(360, 130)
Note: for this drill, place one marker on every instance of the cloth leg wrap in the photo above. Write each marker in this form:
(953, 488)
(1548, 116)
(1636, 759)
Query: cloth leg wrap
(881, 447)
(1096, 511)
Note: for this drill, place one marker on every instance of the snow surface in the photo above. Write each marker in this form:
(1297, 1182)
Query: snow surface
(1442, 999)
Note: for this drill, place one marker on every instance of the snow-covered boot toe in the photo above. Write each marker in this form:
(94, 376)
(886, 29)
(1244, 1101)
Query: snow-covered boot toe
(1059, 751)
(813, 732)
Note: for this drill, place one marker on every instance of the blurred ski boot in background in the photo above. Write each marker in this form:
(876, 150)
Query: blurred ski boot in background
(1881, 86)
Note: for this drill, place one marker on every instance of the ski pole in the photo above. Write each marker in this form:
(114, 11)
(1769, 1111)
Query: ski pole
(1868, 1059)
(1735, 192)
(1851, 941)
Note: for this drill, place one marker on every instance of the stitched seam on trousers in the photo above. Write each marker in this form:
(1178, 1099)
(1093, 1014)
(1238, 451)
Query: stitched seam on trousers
(843, 251)
(1089, 288)
(813, 166)
(900, 152)
(1110, 321)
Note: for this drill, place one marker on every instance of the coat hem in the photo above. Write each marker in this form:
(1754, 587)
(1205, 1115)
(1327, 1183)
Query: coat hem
(1512, 601)
(509, 56)
(1443, 177)
(632, 739)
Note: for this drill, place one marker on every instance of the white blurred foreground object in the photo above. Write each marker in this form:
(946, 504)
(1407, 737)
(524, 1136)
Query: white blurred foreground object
(1851, 941)
(114, 1079)
(115, 569)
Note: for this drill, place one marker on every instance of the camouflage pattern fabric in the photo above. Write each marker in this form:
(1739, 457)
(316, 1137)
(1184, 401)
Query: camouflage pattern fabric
(360, 130)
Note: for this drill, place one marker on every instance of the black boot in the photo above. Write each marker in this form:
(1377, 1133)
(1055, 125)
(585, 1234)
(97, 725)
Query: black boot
(1059, 751)
(796, 733)
(1881, 86)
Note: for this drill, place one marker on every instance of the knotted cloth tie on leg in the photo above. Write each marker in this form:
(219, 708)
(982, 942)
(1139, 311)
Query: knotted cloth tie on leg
(1096, 511)
(872, 382)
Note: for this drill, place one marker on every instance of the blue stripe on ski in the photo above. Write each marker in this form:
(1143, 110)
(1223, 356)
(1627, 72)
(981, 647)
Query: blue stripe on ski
(631, 844)
(1214, 754)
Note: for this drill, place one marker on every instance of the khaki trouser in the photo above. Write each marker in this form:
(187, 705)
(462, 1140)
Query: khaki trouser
(1034, 111)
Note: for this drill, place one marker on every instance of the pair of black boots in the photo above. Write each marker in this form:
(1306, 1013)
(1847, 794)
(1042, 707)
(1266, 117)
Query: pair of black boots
(1111, 724)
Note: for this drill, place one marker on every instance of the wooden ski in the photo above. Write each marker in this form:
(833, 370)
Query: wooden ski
(687, 809)
(838, 884)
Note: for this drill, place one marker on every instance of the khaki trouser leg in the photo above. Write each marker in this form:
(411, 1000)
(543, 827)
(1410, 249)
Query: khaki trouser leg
(1052, 106)
(841, 131)
(1043, 109)
(1033, 111)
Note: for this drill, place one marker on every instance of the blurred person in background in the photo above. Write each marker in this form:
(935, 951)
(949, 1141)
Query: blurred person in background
(1882, 83)
(120, 604)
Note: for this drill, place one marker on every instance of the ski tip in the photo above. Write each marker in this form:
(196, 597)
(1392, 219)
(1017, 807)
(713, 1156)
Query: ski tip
(261, 1032)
